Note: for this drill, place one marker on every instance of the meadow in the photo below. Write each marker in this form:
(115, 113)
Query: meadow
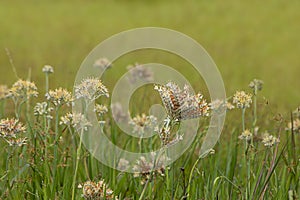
(257, 156)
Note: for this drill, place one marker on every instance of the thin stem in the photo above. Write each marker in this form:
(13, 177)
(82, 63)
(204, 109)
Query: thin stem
(77, 164)
(144, 190)
(8, 160)
(55, 149)
(255, 107)
(243, 118)
(11, 61)
(47, 83)
(191, 175)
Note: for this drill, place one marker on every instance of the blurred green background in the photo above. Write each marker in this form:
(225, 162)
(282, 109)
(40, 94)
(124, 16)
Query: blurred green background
(246, 39)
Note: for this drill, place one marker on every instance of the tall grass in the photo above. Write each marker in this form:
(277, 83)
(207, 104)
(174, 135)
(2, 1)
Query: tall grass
(51, 162)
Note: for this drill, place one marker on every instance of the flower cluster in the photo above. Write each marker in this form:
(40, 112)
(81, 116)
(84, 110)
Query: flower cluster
(97, 191)
(123, 164)
(102, 63)
(60, 97)
(10, 130)
(3, 91)
(23, 90)
(139, 72)
(242, 99)
(76, 120)
(269, 140)
(42, 109)
(182, 105)
(149, 169)
(118, 113)
(47, 69)
(246, 135)
(143, 123)
(90, 89)
(219, 106)
(100, 109)
(256, 85)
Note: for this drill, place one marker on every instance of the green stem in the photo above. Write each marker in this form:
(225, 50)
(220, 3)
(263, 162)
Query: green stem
(77, 164)
(255, 108)
(47, 83)
(243, 118)
(55, 151)
(190, 177)
(144, 190)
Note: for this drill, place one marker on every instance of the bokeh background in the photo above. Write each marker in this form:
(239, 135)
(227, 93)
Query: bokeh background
(246, 39)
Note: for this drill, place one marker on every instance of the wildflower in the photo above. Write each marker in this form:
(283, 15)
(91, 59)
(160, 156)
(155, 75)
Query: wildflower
(60, 97)
(143, 123)
(118, 114)
(100, 109)
(256, 85)
(246, 135)
(103, 63)
(99, 190)
(181, 105)
(219, 105)
(23, 90)
(42, 109)
(9, 128)
(3, 91)
(17, 142)
(148, 169)
(47, 69)
(295, 126)
(123, 164)
(90, 89)
(242, 99)
(269, 140)
(76, 120)
(139, 72)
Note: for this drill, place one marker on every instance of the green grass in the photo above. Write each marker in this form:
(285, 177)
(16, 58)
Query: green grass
(246, 40)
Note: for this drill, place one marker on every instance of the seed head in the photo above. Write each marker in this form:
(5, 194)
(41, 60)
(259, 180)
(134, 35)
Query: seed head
(123, 164)
(219, 106)
(139, 72)
(242, 99)
(269, 140)
(60, 97)
(23, 90)
(100, 109)
(103, 63)
(76, 120)
(42, 109)
(246, 135)
(142, 123)
(47, 69)
(97, 190)
(10, 128)
(118, 113)
(90, 89)
(256, 85)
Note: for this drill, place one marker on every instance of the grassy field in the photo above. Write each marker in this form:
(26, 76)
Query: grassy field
(246, 39)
